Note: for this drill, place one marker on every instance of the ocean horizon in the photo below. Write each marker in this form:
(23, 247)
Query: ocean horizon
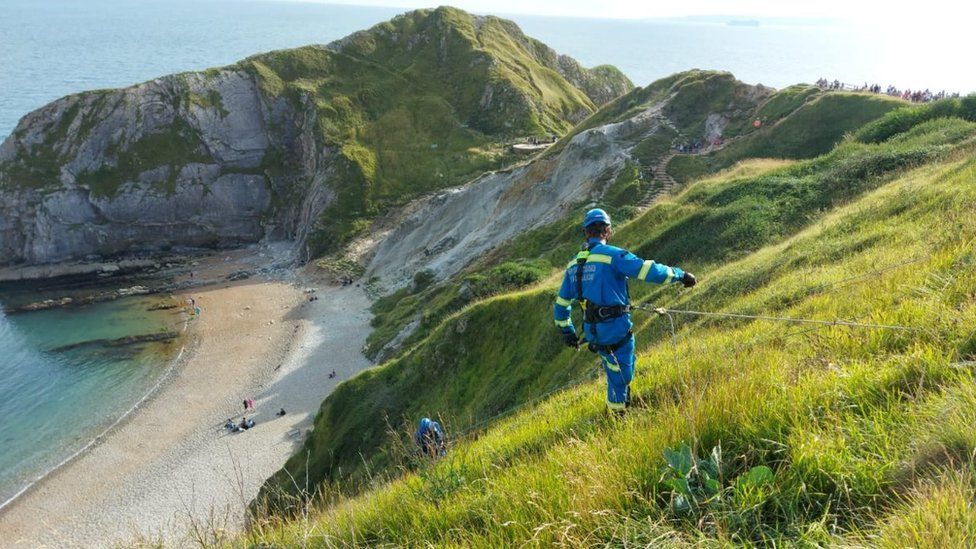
(58, 47)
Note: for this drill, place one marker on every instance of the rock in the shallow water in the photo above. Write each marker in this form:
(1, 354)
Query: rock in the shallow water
(135, 290)
(239, 275)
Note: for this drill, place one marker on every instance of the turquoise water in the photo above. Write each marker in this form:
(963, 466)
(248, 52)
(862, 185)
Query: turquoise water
(50, 48)
(52, 403)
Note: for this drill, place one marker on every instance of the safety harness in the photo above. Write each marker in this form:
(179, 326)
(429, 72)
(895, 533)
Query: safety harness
(594, 314)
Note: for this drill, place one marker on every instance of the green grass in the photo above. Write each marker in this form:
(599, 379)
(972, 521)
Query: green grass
(693, 96)
(798, 123)
(867, 433)
(908, 117)
(768, 242)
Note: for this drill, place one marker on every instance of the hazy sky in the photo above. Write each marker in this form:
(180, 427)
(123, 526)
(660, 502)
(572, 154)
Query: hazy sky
(917, 12)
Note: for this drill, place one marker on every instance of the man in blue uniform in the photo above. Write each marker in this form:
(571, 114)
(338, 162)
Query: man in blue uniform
(597, 279)
(430, 438)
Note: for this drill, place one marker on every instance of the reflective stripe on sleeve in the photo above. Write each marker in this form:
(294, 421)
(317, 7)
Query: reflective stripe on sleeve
(563, 302)
(670, 276)
(563, 323)
(642, 275)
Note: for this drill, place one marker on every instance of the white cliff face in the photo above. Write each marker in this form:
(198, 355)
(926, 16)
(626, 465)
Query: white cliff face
(176, 161)
(446, 232)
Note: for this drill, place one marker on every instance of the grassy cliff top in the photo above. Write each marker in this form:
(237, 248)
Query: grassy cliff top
(426, 101)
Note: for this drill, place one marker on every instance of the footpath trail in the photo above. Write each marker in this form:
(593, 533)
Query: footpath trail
(172, 459)
(661, 181)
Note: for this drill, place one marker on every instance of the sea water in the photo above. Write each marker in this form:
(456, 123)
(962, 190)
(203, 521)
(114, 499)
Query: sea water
(54, 400)
(50, 48)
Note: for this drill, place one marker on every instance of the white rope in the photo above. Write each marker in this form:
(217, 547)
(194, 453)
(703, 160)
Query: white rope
(836, 322)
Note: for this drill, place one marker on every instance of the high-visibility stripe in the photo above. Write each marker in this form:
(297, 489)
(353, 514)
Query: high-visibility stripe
(564, 323)
(610, 365)
(590, 258)
(563, 302)
(670, 276)
(617, 405)
(642, 275)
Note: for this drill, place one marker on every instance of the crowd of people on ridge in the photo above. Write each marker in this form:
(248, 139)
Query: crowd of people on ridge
(916, 96)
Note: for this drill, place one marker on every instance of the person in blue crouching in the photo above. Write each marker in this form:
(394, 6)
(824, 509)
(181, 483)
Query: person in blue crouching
(597, 279)
(430, 438)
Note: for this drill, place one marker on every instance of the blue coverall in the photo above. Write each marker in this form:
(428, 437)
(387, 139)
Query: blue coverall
(430, 438)
(605, 275)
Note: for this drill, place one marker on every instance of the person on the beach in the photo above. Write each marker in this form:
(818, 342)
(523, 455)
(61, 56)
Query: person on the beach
(247, 423)
(230, 426)
(281, 412)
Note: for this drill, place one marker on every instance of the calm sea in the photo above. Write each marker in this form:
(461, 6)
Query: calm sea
(61, 385)
(49, 48)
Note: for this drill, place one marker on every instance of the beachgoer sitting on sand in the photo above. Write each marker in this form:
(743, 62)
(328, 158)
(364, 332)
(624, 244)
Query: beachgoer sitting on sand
(230, 426)
(247, 423)
(281, 412)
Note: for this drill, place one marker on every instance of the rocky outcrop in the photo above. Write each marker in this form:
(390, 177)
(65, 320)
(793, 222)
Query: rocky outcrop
(172, 162)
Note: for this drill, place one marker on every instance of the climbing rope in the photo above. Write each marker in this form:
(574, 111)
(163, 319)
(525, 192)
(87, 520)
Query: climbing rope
(663, 311)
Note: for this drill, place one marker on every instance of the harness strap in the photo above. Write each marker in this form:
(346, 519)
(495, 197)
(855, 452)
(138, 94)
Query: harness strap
(580, 264)
(612, 348)
(603, 313)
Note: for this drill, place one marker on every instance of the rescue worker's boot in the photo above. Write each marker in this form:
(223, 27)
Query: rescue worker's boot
(635, 401)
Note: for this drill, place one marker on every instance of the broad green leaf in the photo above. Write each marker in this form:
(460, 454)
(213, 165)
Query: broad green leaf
(680, 461)
(712, 487)
(757, 476)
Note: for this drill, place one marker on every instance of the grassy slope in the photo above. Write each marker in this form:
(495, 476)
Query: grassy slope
(696, 94)
(798, 122)
(868, 433)
(408, 109)
(461, 374)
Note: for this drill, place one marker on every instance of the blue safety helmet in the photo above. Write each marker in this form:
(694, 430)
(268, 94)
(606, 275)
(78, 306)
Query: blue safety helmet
(596, 215)
(425, 424)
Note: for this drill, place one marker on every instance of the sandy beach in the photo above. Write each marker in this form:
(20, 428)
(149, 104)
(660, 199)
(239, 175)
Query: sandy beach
(172, 459)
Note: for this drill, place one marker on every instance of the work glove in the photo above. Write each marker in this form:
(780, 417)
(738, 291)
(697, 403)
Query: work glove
(571, 339)
(688, 280)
